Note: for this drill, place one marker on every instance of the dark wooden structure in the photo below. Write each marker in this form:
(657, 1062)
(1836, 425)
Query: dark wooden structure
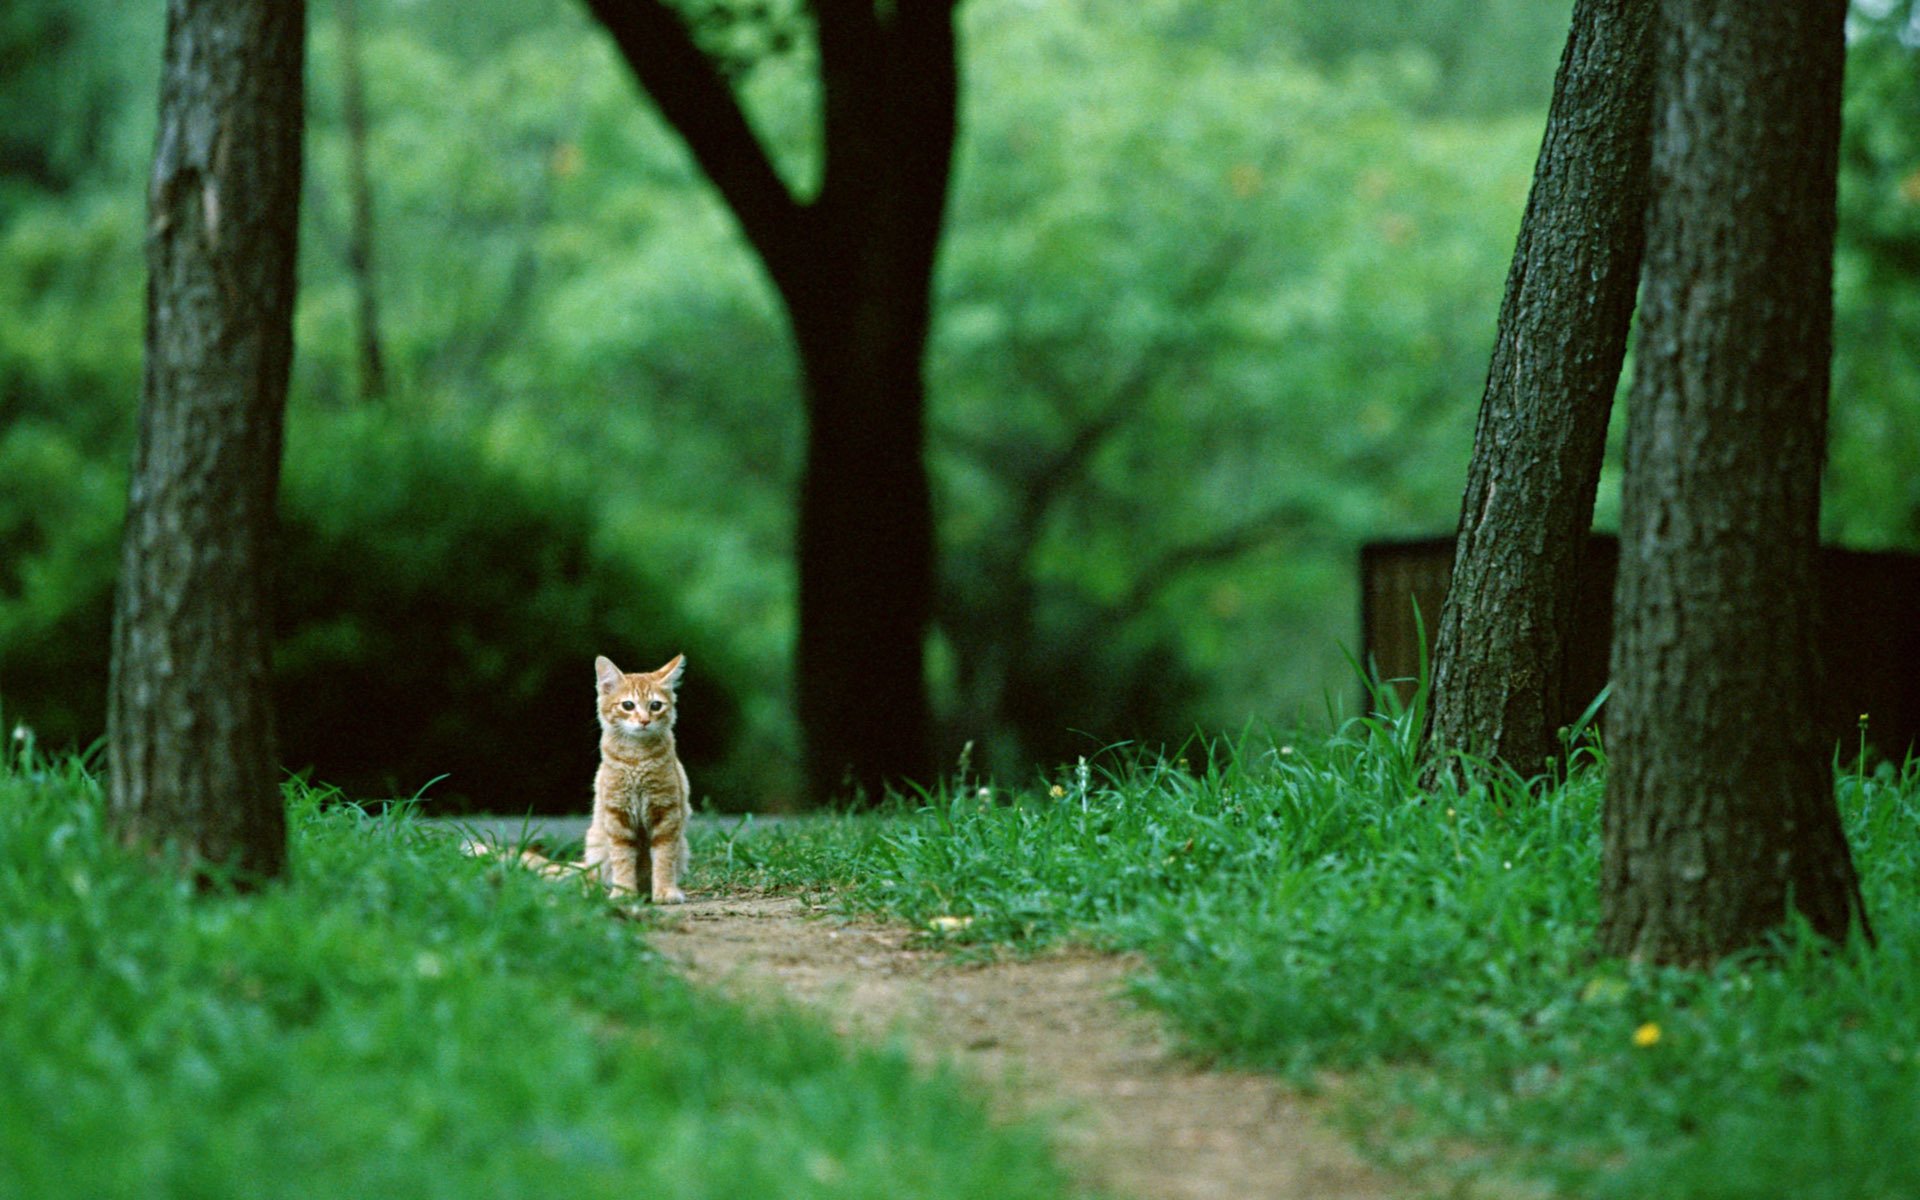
(1869, 619)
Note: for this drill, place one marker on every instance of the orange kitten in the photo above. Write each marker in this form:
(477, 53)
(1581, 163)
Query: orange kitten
(637, 841)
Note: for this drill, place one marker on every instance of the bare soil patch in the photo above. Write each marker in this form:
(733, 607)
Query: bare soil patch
(1051, 1036)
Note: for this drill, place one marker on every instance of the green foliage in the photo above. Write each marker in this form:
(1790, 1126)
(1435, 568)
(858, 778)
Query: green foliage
(1308, 908)
(64, 271)
(1480, 59)
(493, 600)
(66, 406)
(438, 617)
(1873, 491)
(399, 1020)
(1214, 307)
(1176, 575)
(59, 543)
(1192, 352)
(76, 92)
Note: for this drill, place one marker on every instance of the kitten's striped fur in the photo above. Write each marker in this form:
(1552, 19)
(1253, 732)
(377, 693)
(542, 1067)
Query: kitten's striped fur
(637, 841)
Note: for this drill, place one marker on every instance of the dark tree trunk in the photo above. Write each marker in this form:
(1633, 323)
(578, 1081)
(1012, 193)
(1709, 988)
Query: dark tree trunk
(890, 98)
(1499, 671)
(1720, 812)
(854, 267)
(866, 567)
(190, 730)
(353, 103)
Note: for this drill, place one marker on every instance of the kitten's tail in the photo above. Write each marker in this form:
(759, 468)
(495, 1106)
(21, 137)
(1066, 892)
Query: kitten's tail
(532, 859)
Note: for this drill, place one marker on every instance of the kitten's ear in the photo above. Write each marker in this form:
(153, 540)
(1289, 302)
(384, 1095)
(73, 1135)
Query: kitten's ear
(671, 673)
(608, 674)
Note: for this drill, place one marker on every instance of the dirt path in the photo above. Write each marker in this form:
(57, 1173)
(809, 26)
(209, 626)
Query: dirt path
(1052, 1036)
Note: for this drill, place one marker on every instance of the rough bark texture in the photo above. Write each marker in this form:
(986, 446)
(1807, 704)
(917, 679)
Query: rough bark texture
(854, 268)
(190, 727)
(1499, 670)
(1720, 811)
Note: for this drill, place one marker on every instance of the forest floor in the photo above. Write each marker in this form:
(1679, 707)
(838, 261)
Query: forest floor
(1051, 1037)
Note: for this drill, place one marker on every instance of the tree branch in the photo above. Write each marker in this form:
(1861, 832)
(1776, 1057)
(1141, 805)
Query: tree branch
(1165, 356)
(987, 452)
(1225, 544)
(697, 101)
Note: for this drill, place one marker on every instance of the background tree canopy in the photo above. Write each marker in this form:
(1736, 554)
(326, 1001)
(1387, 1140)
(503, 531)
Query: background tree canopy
(1214, 306)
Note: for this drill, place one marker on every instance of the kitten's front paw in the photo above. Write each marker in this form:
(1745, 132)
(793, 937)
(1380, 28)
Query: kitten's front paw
(670, 896)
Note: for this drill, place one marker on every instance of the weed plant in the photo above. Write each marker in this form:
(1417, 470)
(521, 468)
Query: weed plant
(1310, 909)
(399, 1020)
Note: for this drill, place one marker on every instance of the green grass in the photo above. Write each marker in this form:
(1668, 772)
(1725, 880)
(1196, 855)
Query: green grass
(398, 1020)
(1309, 909)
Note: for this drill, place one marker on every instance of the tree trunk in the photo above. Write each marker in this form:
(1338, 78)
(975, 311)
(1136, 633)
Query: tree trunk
(854, 268)
(190, 730)
(1720, 813)
(1499, 669)
(865, 563)
(861, 304)
(353, 103)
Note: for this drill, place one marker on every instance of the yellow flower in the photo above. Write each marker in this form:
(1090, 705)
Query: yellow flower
(1647, 1035)
(949, 924)
(1056, 791)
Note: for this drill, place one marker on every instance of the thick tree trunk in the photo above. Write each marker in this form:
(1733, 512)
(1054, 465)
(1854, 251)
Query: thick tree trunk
(1720, 813)
(1499, 671)
(860, 301)
(190, 730)
(865, 562)
(854, 267)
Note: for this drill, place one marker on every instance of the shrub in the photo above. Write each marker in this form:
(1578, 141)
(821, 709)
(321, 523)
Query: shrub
(437, 616)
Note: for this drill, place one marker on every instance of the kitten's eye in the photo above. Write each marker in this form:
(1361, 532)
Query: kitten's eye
(657, 705)
(627, 704)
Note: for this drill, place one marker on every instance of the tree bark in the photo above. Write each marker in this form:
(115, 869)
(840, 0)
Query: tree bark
(1720, 814)
(190, 728)
(890, 96)
(866, 568)
(854, 269)
(1499, 663)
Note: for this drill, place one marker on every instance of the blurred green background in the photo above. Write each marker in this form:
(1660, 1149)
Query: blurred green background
(1214, 307)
